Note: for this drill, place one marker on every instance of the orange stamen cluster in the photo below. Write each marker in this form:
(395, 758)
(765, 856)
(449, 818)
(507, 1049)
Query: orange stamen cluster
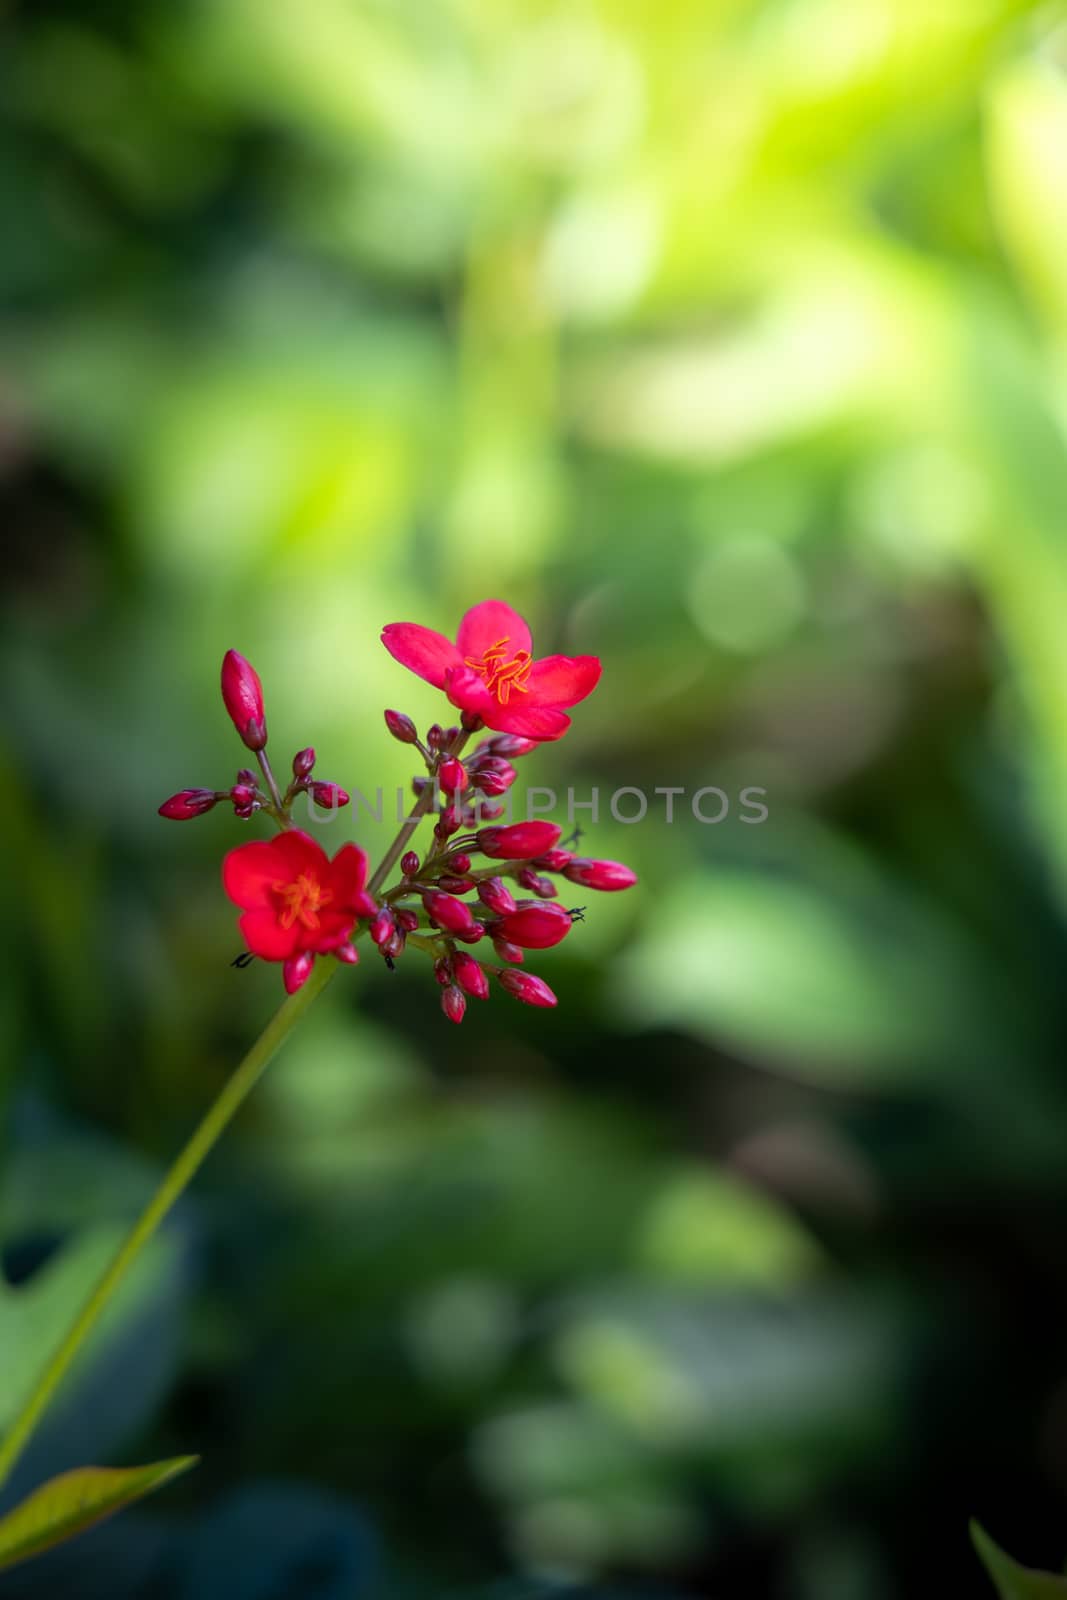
(304, 900)
(501, 673)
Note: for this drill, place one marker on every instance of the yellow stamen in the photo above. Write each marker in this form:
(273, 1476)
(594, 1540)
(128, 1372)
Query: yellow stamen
(304, 900)
(501, 674)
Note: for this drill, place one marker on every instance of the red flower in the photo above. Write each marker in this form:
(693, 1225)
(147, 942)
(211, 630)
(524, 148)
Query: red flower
(297, 903)
(489, 672)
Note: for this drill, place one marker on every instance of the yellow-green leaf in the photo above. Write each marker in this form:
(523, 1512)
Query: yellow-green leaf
(1012, 1581)
(74, 1501)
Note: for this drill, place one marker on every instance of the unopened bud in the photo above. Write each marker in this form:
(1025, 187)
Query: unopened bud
(470, 935)
(448, 823)
(512, 745)
(303, 763)
(553, 860)
(494, 893)
(242, 694)
(246, 775)
(347, 953)
(382, 925)
(435, 736)
(452, 776)
(525, 987)
(494, 779)
(401, 727)
(409, 863)
(544, 888)
(244, 800)
(461, 862)
(519, 841)
(606, 875)
(454, 884)
(447, 911)
(534, 925)
(329, 795)
(470, 975)
(442, 971)
(408, 920)
(453, 1003)
(297, 971)
(188, 803)
(508, 951)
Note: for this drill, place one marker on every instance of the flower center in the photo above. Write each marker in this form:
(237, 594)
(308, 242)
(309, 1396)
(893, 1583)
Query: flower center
(303, 901)
(502, 672)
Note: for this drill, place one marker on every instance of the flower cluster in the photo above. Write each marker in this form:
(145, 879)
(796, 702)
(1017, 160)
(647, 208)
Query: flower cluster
(477, 883)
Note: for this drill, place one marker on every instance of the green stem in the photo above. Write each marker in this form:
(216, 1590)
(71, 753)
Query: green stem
(237, 1087)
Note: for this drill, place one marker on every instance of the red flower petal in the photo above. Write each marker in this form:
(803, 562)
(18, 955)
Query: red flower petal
(300, 853)
(423, 651)
(563, 680)
(249, 871)
(466, 689)
(333, 930)
(532, 721)
(265, 936)
(347, 874)
(486, 624)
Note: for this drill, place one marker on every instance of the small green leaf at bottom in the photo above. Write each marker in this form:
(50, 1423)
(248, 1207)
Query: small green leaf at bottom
(1012, 1581)
(74, 1501)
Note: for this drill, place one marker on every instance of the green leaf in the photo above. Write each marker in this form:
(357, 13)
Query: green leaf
(74, 1501)
(1012, 1581)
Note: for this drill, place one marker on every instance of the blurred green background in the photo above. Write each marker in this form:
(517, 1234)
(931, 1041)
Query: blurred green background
(727, 340)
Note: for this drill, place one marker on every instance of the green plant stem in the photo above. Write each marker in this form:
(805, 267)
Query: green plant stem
(237, 1087)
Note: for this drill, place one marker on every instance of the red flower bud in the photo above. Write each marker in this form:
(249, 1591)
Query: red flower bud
(382, 925)
(507, 951)
(189, 803)
(454, 884)
(494, 893)
(297, 970)
(244, 800)
(348, 953)
(599, 874)
(453, 1003)
(330, 795)
(460, 862)
(242, 695)
(525, 987)
(442, 970)
(452, 776)
(447, 911)
(554, 860)
(408, 920)
(470, 975)
(519, 841)
(544, 888)
(511, 745)
(409, 863)
(401, 727)
(483, 813)
(494, 780)
(303, 762)
(534, 926)
(246, 775)
(472, 934)
(447, 823)
(435, 736)
(394, 945)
